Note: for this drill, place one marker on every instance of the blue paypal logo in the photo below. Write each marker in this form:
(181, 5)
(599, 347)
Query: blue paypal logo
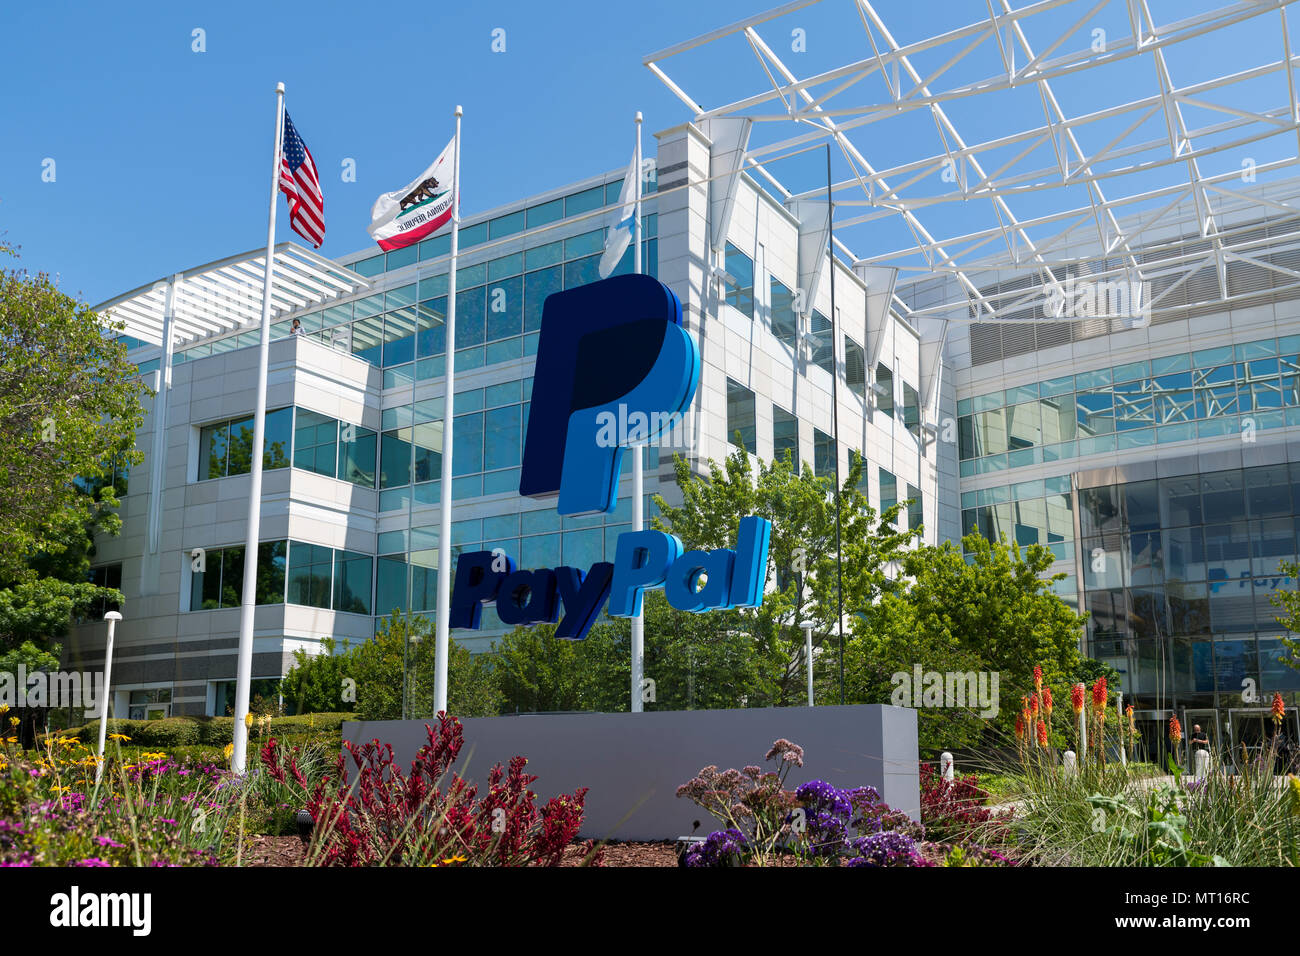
(610, 348)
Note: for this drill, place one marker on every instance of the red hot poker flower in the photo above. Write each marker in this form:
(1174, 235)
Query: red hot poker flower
(1175, 730)
(1076, 698)
(1099, 695)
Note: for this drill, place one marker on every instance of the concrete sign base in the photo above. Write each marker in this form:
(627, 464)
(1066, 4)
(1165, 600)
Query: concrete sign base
(633, 763)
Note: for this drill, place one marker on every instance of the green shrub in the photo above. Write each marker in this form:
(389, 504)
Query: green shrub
(318, 723)
(217, 730)
(89, 733)
(169, 732)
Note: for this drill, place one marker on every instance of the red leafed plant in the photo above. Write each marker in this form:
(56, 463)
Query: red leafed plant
(956, 811)
(430, 816)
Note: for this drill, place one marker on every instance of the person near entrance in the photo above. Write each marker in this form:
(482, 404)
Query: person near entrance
(1198, 741)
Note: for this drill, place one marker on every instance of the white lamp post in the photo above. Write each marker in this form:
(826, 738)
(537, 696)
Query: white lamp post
(807, 651)
(112, 617)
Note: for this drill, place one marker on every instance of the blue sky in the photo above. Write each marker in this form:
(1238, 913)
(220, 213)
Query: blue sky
(162, 154)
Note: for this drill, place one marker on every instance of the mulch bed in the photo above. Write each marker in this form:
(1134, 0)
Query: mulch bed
(291, 851)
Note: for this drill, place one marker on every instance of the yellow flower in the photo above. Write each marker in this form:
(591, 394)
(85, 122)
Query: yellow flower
(4, 708)
(248, 720)
(229, 751)
(458, 858)
(13, 721)
(11, 740)
(122, 737)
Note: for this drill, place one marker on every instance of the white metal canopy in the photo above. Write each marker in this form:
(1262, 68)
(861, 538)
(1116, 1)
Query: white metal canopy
(227, 294)
(1135, 164)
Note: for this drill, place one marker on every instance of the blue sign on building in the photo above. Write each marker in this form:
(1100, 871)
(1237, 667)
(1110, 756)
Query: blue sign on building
(610, 349)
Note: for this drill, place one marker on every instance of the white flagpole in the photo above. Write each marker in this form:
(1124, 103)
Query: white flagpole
(444, 493)
(248, 604)
(638, 459)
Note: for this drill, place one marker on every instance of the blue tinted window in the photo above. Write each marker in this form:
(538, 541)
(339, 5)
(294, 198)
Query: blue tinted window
(506, 225)
(585, 201)
(470, 312)
(544, 213)
(505, 305)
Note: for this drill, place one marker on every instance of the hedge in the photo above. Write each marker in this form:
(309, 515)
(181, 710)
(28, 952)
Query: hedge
(212, 731)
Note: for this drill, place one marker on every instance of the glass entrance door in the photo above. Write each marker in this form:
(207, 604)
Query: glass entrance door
(1208, 720)
(1251, 731)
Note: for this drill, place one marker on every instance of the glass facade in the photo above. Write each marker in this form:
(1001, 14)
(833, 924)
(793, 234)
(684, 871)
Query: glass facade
(297, 436)
(489, 430)
(1219, 391)
(1177, 576)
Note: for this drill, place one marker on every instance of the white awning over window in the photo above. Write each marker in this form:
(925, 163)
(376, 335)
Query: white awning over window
(226, 295)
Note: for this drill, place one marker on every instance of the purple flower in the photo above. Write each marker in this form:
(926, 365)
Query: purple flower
(92, 861)
(109, 841)
(886, 849)
(720, 848)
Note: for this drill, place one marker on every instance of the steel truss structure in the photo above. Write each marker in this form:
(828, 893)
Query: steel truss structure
(1153, 214)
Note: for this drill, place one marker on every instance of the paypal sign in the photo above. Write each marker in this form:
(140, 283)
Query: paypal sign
(616, 342)
(611, 347)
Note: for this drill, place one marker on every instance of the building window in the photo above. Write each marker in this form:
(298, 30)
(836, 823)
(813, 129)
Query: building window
(106, 576)
(888, 490)
(912, 410)
(914, 509)
(884, 389)
(740, 290)
(310, 578)
(821, 342)
(741, 417)
(824, 454)
(785, 436)
(356, 462)
(149, 704)
(352, 582)
(785, 323)
(314, 440)
(855, 367)
(226, 448)
(222, 583)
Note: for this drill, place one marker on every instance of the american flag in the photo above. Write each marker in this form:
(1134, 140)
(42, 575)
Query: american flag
(301, 186)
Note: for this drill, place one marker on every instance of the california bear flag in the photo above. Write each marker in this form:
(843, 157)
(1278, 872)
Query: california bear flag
(418, 209)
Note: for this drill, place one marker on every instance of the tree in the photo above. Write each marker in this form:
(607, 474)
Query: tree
(990, 610)
(69, 410)
(381, 666)
(692, 662)
(802, 554)
(1289, 602)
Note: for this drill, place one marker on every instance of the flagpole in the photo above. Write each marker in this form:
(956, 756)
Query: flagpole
(444, 491)
(638, 459)
(248, 603)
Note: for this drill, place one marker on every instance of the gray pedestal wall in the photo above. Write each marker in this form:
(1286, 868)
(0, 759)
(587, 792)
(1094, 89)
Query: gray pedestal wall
(633, 763)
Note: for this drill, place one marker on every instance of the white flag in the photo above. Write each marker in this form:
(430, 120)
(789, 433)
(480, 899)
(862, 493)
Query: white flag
(620, 234)
(418, 209)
